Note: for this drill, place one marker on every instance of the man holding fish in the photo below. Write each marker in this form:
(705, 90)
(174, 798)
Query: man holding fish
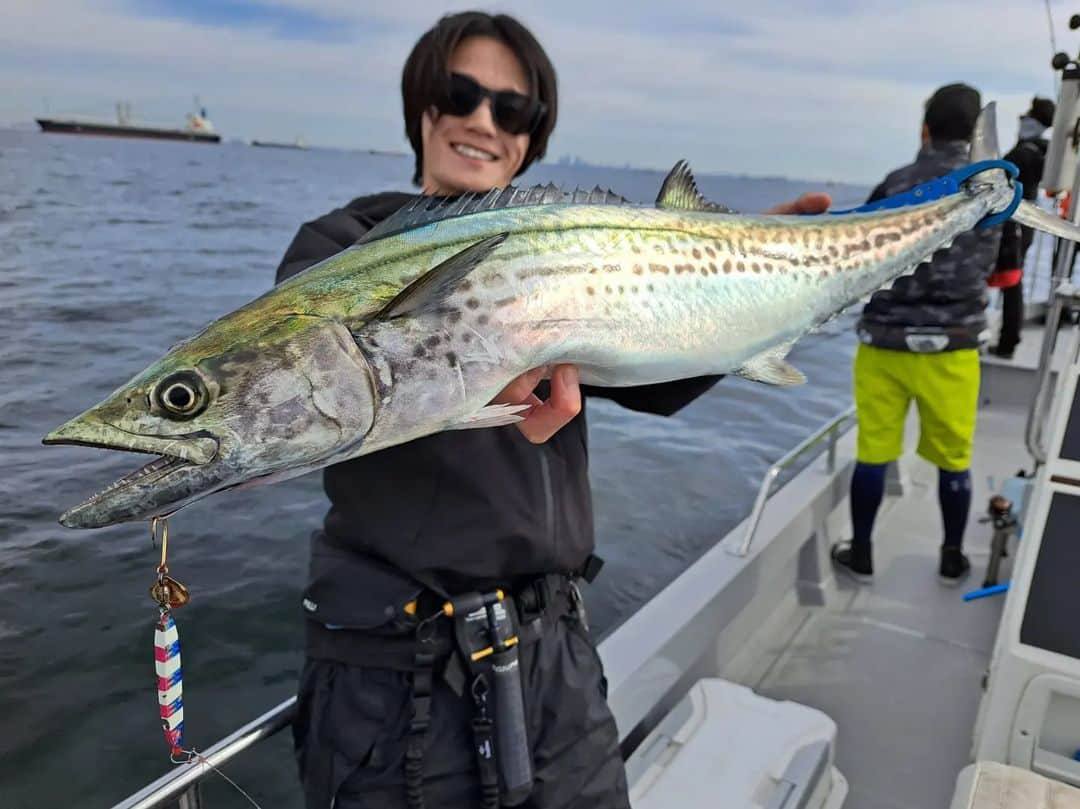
(474, 509)
(442, 318)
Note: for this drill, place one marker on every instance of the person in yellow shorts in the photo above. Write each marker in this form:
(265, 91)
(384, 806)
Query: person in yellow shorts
(919, 343)
(945, 390)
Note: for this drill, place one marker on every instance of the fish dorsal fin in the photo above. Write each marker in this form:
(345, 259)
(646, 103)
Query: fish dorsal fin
(424, 210)
(680, 192)
(984, 139)
(431, 288)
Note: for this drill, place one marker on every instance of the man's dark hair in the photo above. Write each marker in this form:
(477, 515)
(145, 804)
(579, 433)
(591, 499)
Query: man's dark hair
(425, 74)
(951, 112)
(1042, 110)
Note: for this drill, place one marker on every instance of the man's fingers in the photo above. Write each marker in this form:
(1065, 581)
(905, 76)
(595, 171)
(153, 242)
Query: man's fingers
(561, 407)
(565, 399)
(521, 388)
(811, 202)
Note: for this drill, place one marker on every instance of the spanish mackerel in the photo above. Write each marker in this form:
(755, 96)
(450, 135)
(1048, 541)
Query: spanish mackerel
(415, 329)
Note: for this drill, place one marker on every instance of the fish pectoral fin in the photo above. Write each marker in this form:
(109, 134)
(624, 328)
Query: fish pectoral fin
(771, 368)
(680, 193)
(431, 288)
(1035, 217)
(494, 415)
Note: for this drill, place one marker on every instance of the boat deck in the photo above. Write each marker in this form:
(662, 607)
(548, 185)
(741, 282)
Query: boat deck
(899, 664)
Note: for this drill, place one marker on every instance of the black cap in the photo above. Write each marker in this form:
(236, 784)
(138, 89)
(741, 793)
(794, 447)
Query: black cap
(952, 111)
(1042, 110)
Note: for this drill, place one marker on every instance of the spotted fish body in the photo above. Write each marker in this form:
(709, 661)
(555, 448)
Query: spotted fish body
(418, 328)
(633, 296)
(170, 682)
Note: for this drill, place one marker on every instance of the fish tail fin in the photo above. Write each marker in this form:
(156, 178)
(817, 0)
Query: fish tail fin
(984, 137)
(984, 146)
(1035, 217)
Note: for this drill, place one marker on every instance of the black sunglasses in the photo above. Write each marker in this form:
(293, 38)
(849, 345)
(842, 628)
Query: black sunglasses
(514, 113)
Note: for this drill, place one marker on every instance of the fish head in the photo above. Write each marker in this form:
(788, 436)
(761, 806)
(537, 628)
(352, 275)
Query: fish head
(238, 403)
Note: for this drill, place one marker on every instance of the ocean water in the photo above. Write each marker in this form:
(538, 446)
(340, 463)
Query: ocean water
(112, 251)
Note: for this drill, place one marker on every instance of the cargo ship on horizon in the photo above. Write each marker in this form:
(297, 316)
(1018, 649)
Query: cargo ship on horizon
(299, 143)
(197, 128)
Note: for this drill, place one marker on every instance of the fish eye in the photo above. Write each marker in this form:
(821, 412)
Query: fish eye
(181, 395)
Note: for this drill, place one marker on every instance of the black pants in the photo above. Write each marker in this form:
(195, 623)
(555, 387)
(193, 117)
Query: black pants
(1012, 316)
(353, 722)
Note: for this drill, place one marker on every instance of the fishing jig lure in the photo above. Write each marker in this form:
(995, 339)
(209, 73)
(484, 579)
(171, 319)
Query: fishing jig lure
(168, 594)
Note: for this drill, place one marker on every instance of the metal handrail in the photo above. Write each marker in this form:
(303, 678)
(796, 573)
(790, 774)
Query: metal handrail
(831, 430)
(182, 783)
(1060, 276)
(1040, 403)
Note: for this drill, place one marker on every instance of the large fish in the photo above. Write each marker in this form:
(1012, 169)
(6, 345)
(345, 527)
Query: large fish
(417, 328)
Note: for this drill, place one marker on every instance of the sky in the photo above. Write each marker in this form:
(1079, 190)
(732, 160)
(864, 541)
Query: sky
(815, 89)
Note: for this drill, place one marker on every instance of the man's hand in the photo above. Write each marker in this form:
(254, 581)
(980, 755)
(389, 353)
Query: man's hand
(547, 418)
(812, 202)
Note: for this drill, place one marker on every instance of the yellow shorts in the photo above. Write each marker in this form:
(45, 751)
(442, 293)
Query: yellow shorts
(945, 387)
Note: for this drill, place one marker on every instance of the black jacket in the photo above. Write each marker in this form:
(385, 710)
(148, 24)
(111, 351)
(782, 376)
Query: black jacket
(1029, 155)
(942, 305)
(458, 510)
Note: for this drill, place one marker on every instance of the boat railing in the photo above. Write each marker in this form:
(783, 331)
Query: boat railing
(831, 431)
(1041, 268)
(1065, 294)
(1038, 270)
(1059, 291)
(180, 788)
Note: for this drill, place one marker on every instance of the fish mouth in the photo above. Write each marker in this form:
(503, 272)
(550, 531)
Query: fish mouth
(159, 487)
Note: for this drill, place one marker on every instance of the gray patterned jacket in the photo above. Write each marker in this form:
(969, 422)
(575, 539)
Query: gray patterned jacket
(942, 305)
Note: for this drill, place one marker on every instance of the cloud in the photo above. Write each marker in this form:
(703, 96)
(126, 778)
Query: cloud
(805, 93)
(280, 22)
(828, 89)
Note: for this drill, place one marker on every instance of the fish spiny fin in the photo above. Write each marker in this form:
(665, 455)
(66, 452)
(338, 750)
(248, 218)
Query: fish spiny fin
(680, 192)
(424, 210)
(494, 415)
(431, 288)
(771, 368)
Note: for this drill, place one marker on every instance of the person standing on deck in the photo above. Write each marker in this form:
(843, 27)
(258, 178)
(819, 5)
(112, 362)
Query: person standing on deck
(1029, 155)
(919, 340)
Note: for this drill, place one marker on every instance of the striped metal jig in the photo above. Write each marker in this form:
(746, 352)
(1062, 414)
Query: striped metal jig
(168, 594)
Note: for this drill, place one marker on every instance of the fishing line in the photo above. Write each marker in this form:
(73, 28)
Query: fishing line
(197, 756)
(1053, 45)
(1050, 20)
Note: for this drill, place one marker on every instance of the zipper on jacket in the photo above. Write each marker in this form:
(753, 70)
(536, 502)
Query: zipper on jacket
(549, 496)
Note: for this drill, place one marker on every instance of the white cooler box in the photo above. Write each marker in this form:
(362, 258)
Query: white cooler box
(724, 746)
(990, 785)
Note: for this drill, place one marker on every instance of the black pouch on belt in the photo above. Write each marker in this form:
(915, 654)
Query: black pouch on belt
(349, 590)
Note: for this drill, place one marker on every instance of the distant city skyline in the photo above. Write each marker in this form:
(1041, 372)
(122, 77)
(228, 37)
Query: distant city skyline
(823, 89)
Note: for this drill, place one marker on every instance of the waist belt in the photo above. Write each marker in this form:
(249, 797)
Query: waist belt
(434, 647)
(537, 605)
(920, 340)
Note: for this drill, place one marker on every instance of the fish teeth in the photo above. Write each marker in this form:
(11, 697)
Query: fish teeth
(164, 462)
